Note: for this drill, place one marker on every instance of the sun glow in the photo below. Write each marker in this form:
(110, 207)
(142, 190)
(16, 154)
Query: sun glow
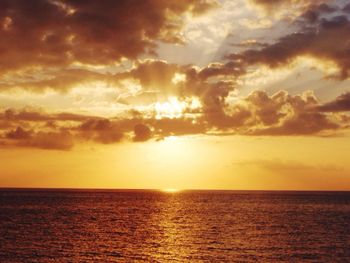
(178, 78)
(170, 190)
(174, 108)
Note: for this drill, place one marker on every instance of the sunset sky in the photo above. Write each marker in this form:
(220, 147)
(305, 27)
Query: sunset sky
(185, 94)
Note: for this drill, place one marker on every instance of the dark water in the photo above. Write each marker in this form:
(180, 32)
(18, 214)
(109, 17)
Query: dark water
(150, 226)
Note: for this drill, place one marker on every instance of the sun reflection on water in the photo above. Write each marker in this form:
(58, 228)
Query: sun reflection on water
(170, 190)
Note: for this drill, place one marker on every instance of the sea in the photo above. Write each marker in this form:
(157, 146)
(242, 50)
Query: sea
(41, 225)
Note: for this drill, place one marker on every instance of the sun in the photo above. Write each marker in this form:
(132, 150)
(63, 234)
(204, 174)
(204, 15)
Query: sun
(174, 108)
(170, 190)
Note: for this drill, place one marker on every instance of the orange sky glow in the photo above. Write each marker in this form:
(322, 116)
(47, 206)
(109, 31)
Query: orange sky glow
(195, 94)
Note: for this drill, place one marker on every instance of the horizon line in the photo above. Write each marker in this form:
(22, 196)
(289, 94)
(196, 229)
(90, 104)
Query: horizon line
(161, 189)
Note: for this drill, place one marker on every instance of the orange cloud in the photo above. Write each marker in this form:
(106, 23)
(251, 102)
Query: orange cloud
(41, 79)
(27, 114)
(100, 130)
(142, 133)
(18, 134)
(256, 114)
(211, 84)
(51, 140)
(272, 6)
(61, 140)
(44, 41)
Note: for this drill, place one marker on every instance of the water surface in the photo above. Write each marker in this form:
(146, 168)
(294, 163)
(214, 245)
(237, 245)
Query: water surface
(189, 226)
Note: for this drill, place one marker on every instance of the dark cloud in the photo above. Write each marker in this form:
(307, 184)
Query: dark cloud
(53, 33)
(341, 103)
(300, 124)
(18, 134)
(95, 125)
(60, 140)
(100, 130)
(142, 133)
(315, 12)
(346, 8)
(281, 114)
(316, 41)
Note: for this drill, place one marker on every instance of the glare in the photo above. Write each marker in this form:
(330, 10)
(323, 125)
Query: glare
(178, 78)
(173, 108)
(170, 190)
(195, 104)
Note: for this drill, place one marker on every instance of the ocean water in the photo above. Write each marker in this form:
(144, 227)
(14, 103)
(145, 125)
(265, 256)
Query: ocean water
(189, 226)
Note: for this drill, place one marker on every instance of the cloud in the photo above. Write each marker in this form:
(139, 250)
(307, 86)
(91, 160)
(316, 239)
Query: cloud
(61, 44)
(18, 134)
(341, 103)
(69, 44)
(275, 6)
(315, 12)
(51, 140)
(279, 114)
(300, 124)
(158, 75)
(58, 33)
(256, 114)
(315, 38)
(154, 76)
(100, 130)
(60, 79)
(142, 133)
(62, 140)
(211, 84)
(37, 115)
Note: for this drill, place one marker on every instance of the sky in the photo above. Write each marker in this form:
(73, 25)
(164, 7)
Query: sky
(180, 94)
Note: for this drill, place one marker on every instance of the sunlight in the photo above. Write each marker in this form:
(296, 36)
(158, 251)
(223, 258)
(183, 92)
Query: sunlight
(170, 190)
(194, 103)
(178, 78)
(173, 108)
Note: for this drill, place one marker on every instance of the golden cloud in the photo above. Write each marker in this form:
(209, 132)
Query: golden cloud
(255, 114)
